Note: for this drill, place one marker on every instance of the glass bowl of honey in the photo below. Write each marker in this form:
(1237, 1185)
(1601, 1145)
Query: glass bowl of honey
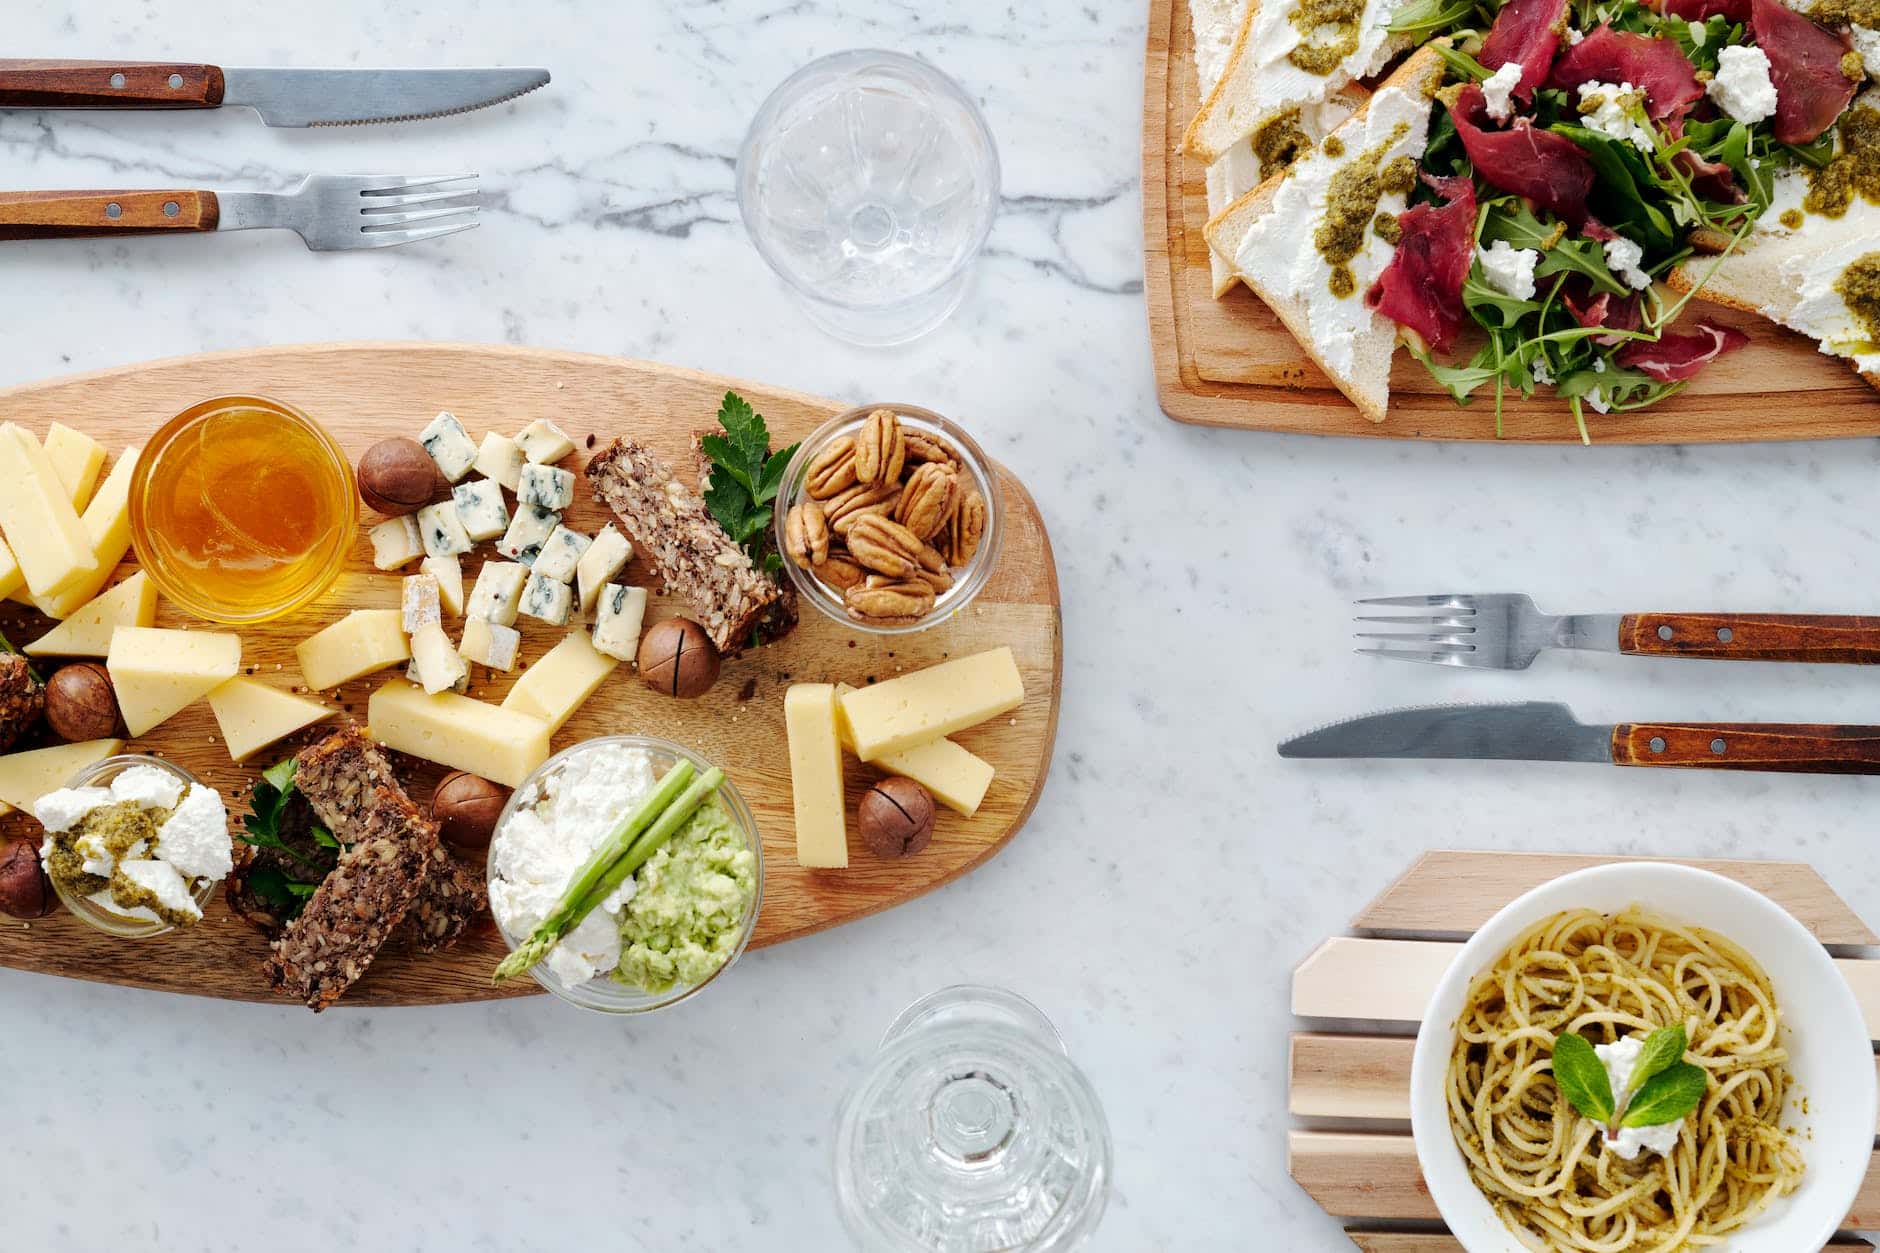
(243, 509)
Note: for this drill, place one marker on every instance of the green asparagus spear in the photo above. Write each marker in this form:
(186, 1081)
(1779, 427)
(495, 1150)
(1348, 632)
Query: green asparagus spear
(677, 815)
(575, 903)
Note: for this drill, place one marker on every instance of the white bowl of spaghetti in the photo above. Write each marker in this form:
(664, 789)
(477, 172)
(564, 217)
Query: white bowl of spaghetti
(1772, 1156)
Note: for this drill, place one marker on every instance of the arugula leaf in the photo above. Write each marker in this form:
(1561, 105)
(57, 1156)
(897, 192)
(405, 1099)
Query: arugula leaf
(745, 478)
(1430, 17)
(1582, 1079)
(1667, 1096)
(1478, 294)
(1516, 223)
(1620, 169)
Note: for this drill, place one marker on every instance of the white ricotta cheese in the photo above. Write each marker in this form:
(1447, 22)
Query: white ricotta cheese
(1622, 258)
(147, 787)
(1616, 109)
(1509, 270)
(1279, 84)
(1821, 312)
(1786, 193)
(1498, 88)
(1278, 249)
(1742, 87)
(551, 836)
(143, 913)
(195, 839)
(1620, 1058)
(162, 881)
(60, 811)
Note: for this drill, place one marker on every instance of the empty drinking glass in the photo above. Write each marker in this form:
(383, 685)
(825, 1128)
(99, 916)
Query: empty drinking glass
(972, 1132)
(868, 182)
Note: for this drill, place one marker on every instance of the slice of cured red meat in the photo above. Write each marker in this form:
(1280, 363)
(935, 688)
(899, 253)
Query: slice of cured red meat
(1805, 66)
(1527, 32)
(1656, 67)
(1677, 356)
(1605, 310)
(1546, 168)
(1698, 10)
(1711, 179)
(1421, 288)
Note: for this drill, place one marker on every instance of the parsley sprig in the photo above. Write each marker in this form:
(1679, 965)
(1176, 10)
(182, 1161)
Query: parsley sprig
(262, 829)
(745, 478)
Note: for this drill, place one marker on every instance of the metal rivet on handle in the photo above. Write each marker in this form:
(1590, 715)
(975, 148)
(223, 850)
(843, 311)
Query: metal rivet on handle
(1664, 632)
(171, 208)
(1725, 635)
(176, 82)
(114, 210)
(1658, 743)
(1717, 746)
(118, 81)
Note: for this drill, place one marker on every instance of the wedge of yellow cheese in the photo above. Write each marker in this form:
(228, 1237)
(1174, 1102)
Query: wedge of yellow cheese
(822, 829)
(926, 705)
(25, 777)
(87, 633)
(957, 778)
(158, 673)
(107, 523)
(359, 643)
(557, 685)
(502, 745)
(76, 458)
(12, 578)
(253, 715)
(37, 517)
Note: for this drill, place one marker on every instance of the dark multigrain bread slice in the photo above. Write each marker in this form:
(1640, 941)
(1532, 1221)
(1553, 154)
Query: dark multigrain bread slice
(325, 950)
(453, 896)
(698, 563)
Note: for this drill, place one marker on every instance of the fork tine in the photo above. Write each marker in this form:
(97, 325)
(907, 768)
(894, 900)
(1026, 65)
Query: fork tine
(1434, 659)
(393, 185)
(389, 204)
(1460, 602)
(1443, 638)
(378, 222)
(388, 239)
(1413, 620)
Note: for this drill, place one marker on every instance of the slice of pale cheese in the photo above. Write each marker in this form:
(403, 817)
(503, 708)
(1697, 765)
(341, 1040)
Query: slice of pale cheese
(253, 715)
(87, 633)
(25, 777)
(157, 673)
(1269, 233)
(107, 527)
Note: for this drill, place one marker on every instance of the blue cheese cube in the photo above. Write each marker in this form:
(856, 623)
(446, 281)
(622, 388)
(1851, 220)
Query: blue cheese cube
(436, 665)
(442, 531)
(499, 459)
(396, 543)
(618, 613)
(449, 446)
(546, 487)
(605, 557)
(480, 508)
(497, 593)
(528, 530)
(490, 644)
(561, 553)
(542, 442)
(422, 605)
(548, 600)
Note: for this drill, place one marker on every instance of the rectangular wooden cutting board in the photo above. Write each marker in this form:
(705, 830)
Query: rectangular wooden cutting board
(365, 392)
(1230, 362)
(1349, 1078)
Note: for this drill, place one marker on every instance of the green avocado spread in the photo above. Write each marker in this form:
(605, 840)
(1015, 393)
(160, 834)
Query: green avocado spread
(1854, 171)
(1859, 288)
(1279, 142)
(1351, 205)
(1328, 33)
(684, 920)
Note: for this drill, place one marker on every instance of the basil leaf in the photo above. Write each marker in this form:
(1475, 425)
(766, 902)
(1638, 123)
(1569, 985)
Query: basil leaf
(1667, 1096)
(1663, 1049)
(1582, 1079)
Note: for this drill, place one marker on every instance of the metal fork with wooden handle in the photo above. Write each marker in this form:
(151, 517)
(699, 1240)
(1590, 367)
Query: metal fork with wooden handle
(1504, 631)
(328, 211)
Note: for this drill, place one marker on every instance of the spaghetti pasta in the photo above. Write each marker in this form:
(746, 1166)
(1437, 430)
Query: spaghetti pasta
(1543, 1165)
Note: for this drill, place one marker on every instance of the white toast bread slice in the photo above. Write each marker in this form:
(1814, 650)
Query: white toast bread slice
(1366, 380)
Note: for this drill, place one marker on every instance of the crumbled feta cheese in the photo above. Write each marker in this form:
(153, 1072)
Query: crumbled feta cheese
(1617, 110)
(1575, 34)
(1867, 43)
(147, 787)
(1742, 87)
(161, 880)
(1599, 365)
(1498, 87)
(1622, 258)
(195, 838)
(1509, 270)
(1597, 400)
(60, 811)
(1620, 1058)
(1540, 371)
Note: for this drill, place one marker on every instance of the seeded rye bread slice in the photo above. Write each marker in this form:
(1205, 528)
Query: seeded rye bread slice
(1225, 231)
(698, 563)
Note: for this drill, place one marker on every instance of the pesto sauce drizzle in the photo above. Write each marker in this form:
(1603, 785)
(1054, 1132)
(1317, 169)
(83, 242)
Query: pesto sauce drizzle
(1859, 288)
(1846, 12)
(1281, 141)
(1328, 33)
(1351, 206)
(1855, 170)
(118, 827)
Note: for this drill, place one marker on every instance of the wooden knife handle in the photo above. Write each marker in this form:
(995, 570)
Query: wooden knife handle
(108, 85)
(1791, 748)
(1752, 636)
(74, 214)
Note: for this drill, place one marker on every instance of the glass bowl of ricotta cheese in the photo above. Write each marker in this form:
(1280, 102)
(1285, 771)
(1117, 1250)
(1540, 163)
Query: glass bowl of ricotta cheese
(677, 924)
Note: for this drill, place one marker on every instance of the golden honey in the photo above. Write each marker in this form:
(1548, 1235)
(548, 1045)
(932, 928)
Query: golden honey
(243, 509)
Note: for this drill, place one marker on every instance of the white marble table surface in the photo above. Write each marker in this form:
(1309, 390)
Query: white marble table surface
(1175, 870)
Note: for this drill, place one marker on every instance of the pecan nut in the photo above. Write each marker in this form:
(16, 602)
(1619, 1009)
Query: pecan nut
(851, 503)
(880, 452)
(806, 534)
(840, 571)
(939, 580)
(922, 447)
(967, 528)
(832, 470)
(926, 503)
(897, 600)
(885, 546)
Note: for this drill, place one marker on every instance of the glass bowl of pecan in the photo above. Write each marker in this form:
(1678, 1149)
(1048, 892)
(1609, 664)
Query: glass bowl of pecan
(889, 518)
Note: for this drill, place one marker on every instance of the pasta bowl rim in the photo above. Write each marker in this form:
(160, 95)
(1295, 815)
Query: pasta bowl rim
(1837, 1144)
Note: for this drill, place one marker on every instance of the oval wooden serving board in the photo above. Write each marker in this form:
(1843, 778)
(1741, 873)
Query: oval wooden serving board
(365, 392)
(1230, 362)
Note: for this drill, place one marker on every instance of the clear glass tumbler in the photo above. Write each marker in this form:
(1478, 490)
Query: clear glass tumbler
(972, 1132)
(868, 181)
